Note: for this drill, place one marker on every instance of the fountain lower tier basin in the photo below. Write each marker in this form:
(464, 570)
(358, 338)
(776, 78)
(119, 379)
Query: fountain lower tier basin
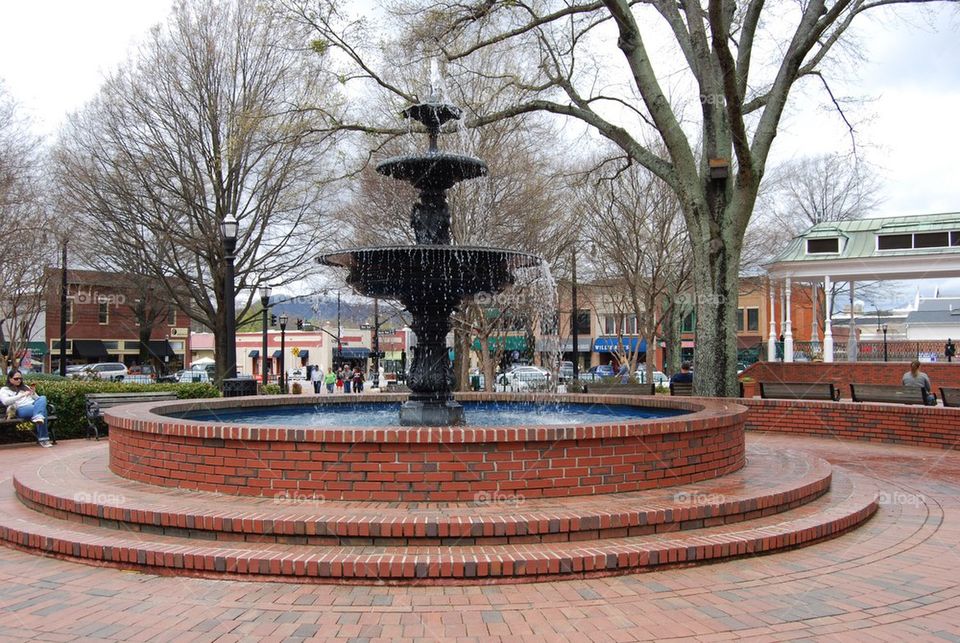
(426, 464)
(438, 273)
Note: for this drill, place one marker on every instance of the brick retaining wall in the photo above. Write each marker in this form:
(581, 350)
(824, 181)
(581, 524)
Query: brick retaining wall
(841, 374)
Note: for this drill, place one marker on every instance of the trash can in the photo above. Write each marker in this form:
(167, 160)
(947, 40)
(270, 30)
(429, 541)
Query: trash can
(239, 386)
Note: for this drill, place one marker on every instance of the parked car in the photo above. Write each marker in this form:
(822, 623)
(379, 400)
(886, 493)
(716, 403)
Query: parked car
(139, 379)
(525, 377)
(602, 370)
(114, 371)
(659, 378)
(193, 376)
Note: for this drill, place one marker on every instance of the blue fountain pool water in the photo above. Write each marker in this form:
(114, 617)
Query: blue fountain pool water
(481, 414)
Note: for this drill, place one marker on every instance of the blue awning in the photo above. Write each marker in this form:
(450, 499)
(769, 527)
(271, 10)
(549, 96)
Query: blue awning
(277, 353)
(254, 353)
(352, 352)
(304, 354)
(611, 344)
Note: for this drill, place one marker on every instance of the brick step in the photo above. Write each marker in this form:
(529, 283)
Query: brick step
(851, 501)
(80, 487)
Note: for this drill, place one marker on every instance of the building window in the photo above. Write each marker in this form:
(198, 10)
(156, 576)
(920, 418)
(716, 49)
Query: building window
(688, 323)
(69, 311)
(895, 242)
(931, 240)
(753, 319)
(631, 325)
(823, 246)
(171, 316)
(583, 322)
(103, 315)
(739, 320)
(955, 238)
(550, 325)
(609, 325)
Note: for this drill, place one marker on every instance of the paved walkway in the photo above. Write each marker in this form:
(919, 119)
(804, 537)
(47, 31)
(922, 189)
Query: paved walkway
(895, 579)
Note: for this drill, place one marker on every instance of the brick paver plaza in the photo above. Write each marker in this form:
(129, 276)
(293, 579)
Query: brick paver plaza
(894, 578)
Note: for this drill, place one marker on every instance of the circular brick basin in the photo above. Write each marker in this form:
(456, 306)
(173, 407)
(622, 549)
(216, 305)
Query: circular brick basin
(428, 464)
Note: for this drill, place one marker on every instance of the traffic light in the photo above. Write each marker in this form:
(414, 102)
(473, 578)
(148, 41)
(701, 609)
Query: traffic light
(299, 324)
(273, 319)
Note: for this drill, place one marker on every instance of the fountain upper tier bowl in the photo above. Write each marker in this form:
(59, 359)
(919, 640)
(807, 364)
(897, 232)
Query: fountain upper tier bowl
(393, 272)
(433, 171)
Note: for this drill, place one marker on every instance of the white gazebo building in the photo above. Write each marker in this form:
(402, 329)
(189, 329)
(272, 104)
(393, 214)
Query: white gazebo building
(921, 247)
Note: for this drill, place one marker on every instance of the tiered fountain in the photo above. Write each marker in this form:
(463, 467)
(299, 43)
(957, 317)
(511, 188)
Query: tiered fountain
(432, 277)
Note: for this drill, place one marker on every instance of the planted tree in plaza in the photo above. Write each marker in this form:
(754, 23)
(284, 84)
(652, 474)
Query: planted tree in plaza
(23, 218)
(622, 68)
(203, 123)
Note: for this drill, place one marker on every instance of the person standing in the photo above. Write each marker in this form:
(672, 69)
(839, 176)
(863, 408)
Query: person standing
(915, 377)
(358, 380)
(23, 402)
(950, 350)
(347, 376)
(316, 376)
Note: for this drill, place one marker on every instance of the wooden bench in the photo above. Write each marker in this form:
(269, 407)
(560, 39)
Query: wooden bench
(950, 396)
(887, 393)
(12, 424)
(96, 402)
(799, 391)
(621, 389)
(681, 388)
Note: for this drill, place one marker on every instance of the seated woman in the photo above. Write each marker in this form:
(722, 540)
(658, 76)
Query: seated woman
(26, 404)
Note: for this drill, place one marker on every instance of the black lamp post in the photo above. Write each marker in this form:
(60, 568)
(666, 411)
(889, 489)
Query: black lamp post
(63, 311)
(884, 342)
(574, 331)
(339, 343)
(265, 303)
(228, 230)
(376, 343)
(283, 349)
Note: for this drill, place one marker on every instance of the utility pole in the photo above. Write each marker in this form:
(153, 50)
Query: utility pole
(63, 311)
(376, 343)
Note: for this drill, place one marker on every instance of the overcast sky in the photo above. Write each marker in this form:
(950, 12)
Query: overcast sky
(54, 54)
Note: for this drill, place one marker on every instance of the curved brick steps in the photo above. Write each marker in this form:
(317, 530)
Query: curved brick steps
(80, 488)
(851, 500)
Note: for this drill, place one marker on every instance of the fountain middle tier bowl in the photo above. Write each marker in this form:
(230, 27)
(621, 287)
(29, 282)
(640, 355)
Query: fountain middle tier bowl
(441, 271)
(434, 170)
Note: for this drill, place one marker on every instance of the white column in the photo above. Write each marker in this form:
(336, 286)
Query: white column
(827, 329)
(852, 338)
(814, 328)
(772, 338)
(787, 330)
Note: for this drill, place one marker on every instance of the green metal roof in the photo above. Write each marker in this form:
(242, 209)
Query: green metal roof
(858, 237)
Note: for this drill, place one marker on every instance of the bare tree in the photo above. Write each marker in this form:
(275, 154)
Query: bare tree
(203, 125)
(634, 221)
(23, 218)
(742, 57)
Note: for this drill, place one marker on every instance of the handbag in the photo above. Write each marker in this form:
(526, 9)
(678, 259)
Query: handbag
(12, 412)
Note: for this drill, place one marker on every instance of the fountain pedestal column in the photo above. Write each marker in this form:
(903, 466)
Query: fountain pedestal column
(431, 400)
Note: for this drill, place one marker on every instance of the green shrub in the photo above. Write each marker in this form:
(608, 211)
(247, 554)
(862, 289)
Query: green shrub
(271, 389)
(68, 396)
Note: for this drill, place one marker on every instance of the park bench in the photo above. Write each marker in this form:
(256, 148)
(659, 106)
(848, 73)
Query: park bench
(622, 389)
(950, 396)
(12, 424)
(799, 391)
(681, 388)
(96, 402)
(888, 393)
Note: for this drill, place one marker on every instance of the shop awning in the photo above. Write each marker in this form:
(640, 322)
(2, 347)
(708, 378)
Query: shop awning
(304, 355)
(160, 348)
(37, 349)
(89, 349)
(254, 353)
(610, 344)
(277, 353)
(352, 352)
(510, 343)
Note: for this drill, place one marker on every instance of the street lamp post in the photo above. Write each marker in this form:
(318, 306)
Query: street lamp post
(376, 344)
(63, 311)
(884, 342)
(283, 348)
(265, 303)
(574, 334)
(228, 229)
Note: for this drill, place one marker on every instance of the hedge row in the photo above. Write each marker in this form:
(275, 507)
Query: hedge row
(68, 396)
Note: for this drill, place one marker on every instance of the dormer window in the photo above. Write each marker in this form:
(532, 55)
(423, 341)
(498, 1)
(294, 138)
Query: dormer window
(830, 245)
(917, 240)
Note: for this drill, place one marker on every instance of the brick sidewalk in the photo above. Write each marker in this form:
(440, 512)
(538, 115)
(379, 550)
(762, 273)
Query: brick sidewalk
(892, 579)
